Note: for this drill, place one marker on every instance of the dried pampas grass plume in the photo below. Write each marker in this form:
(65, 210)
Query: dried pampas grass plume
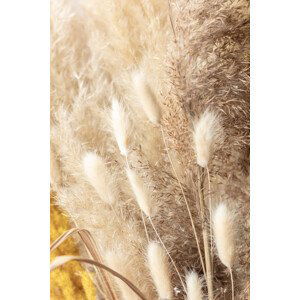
(207, 131)
(159, 267)
(99, 177)
(141, 192)
(224, 231)
(193, 285)
(146, 97)
(120, 125)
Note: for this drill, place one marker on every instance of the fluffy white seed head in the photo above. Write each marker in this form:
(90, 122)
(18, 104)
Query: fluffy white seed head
(193, 285)
(99, 177)
(120, 125)
(119, 263)
(146, 97)
(223, 226)
(159, 267)
(207, 132)
(141, 192)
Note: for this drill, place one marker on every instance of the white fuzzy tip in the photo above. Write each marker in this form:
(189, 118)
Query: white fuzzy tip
(120, 125)
(223, 225)
(146, 97)
(159, 267)
(141, 192)
(207, 131)
(193, 285)
(99, 177)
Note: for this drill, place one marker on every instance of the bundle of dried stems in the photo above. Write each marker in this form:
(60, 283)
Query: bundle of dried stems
(150, 144)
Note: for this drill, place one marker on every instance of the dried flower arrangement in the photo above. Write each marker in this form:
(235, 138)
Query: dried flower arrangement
(150, 144)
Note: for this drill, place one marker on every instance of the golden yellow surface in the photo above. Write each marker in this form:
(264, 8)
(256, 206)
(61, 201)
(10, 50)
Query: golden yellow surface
(71, 281)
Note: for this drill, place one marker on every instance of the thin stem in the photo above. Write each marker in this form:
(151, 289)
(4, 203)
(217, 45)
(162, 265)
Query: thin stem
(146, 231)
(232, 285)
(185, 200)
(205, 238)
(168, 253)
(210, 216)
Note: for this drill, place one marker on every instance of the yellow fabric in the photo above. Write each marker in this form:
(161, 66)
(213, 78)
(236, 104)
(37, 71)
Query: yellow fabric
(71, 281)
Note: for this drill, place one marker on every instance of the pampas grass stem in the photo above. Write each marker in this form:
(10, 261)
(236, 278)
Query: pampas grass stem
(232, 284)
(209, 278)
(210, 214)
(185, 200)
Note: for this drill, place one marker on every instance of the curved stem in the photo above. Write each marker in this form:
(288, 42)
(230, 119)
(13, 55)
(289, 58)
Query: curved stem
(60, 260)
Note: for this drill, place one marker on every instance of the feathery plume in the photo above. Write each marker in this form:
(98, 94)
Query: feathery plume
(193, 284)
(224, 234)
(121, 125)
(141, 192)
(117, 263)
(159, 267)
(99, 177)
(207, 131)
(146, 97)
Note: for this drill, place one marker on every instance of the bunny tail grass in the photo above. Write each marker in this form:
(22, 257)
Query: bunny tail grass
(194, 286)
(121, 126)
(146, 97)
(141, 192)
(207, 132)
(159, 267)
(224, 234)
(99, 177)
(224, 231)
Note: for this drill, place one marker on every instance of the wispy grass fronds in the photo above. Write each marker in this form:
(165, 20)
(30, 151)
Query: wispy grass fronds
(207, 132)
(120, 125)
(194, 286)
(159, 267)
(146, 97)
(99, 177)
(141, 192)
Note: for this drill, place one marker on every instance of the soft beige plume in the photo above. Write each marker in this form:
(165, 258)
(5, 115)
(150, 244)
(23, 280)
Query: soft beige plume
(159, 267)
(207, 132)
(223, 225)
(120, 125)
(146, 97)
(99, 177)
(193, 285)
